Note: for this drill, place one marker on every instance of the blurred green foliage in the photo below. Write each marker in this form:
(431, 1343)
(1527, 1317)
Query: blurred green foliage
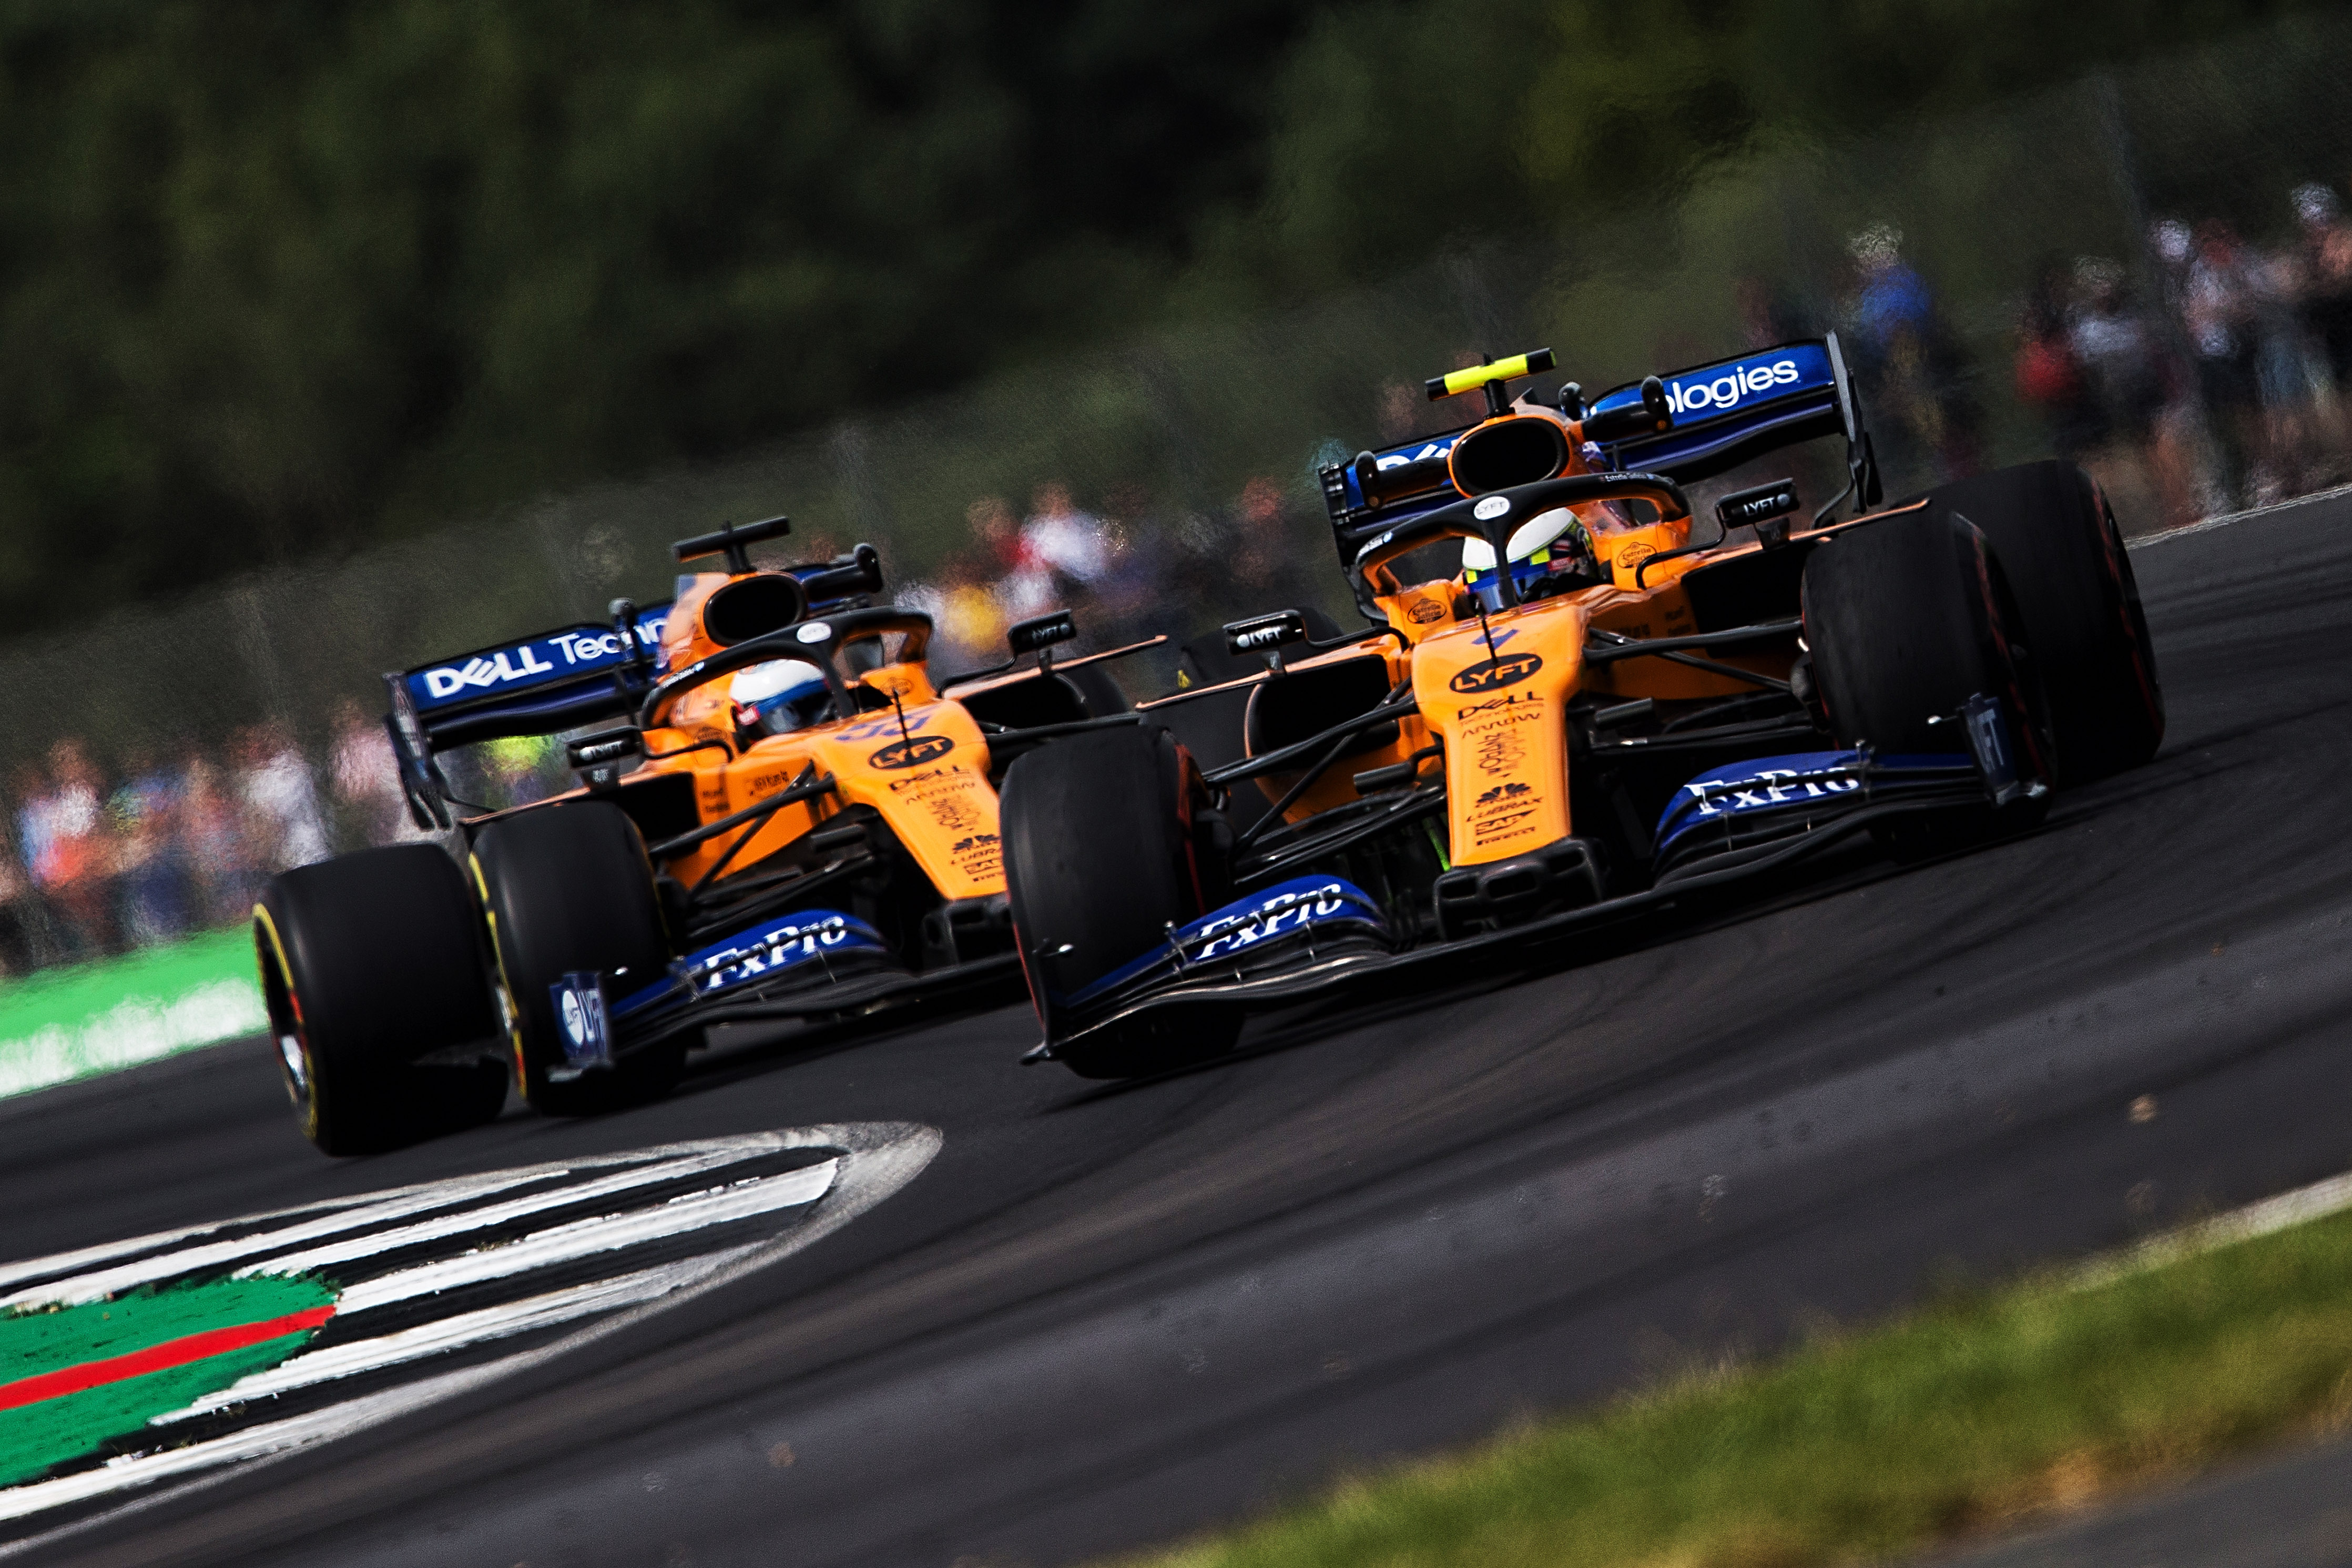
(278, 278)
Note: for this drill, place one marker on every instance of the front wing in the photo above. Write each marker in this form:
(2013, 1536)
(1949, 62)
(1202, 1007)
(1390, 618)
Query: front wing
(812, 965)
(1312, 936)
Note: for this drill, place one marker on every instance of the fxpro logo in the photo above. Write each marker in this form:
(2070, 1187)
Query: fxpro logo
(1724, 391)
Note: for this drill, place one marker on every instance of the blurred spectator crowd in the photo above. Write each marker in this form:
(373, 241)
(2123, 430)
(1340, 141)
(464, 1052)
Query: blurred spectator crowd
(2224, 368)
(99, 863)
(1124, 571)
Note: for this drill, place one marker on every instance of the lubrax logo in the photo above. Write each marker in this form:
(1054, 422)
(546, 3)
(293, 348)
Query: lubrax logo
(1726, 390)
(912, 752)
(1494, 673)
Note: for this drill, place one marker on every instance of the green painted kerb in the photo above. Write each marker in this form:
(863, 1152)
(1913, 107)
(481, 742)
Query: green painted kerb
(64, 1024)
(33, 1437)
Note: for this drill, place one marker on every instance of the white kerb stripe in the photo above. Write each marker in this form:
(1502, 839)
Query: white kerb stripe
(455, 1333)
(585, 1237)
(442, 1190)
(96, 1287)
(464, 1220)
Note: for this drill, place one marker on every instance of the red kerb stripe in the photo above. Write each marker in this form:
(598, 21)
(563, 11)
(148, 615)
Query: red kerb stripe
(156, 1358)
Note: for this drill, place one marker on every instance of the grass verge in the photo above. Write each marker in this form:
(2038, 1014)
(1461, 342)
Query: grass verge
(64, 1024)
(1964, 1415)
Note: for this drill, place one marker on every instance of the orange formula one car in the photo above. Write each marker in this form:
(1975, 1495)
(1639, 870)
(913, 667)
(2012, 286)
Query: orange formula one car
(1576, 706)
(791, 823)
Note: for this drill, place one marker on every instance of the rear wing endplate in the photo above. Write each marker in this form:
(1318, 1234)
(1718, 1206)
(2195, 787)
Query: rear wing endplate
(538, 685)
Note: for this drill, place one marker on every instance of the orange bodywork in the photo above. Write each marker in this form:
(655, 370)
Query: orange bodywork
(921, 764)
(1493, 692)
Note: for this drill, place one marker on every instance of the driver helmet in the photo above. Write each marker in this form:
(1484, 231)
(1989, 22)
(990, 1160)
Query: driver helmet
(1549, 553)
(786, 694)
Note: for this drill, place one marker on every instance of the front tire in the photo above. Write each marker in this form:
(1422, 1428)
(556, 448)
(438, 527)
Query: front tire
(1907, 618)
(2056, 538)
(568, 889)
(370, 962)
(1101, 859)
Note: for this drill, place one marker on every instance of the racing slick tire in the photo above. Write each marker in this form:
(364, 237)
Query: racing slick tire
(1906, 620)
(369, 962)
(2056, 538)
(568, 889)
(1101, 857)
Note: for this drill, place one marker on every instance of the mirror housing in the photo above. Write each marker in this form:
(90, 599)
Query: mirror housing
(1766, 507)
(1267, 634)
(599, 757)
(1039, 633)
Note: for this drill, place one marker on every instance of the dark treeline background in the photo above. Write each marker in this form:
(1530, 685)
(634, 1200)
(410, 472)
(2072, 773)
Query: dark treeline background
(284, 279)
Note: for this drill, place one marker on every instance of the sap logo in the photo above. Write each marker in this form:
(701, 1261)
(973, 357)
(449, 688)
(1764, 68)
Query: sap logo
(1494, 673)
(485, 673)
(1724, 391)
(1406, 459)
(911, 753)
(1504, 792)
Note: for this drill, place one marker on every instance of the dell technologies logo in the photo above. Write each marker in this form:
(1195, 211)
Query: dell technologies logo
(1724, 391)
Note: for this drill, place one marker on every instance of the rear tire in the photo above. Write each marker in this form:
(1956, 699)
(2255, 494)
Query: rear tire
(369, 962)
(568, 888)
(2056, 536)
(1101, 857)
(1909, 619)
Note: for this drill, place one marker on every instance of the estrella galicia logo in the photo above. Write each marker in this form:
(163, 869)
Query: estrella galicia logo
(912, 752)
(1494, 673)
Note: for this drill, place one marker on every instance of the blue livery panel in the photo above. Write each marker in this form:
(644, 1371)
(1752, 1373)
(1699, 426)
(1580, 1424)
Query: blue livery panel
(1295, 908)
(1798, 783)
(766, 952)
(530, 664)
(1430, 449)
(1729, 411)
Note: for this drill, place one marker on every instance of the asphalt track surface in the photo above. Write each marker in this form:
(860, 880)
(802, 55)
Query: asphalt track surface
(1104, 1317)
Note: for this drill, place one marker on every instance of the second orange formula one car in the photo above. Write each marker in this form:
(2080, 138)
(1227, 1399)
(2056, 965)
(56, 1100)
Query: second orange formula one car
(795, 821)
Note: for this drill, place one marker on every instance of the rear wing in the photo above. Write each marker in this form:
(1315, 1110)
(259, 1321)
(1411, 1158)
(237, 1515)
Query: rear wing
(538, 685)
(1378, 489)
(1725, 413)
(535, 685)
(1735, 409)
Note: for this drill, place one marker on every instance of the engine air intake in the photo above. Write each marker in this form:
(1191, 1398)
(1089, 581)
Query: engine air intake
(1508, 452)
